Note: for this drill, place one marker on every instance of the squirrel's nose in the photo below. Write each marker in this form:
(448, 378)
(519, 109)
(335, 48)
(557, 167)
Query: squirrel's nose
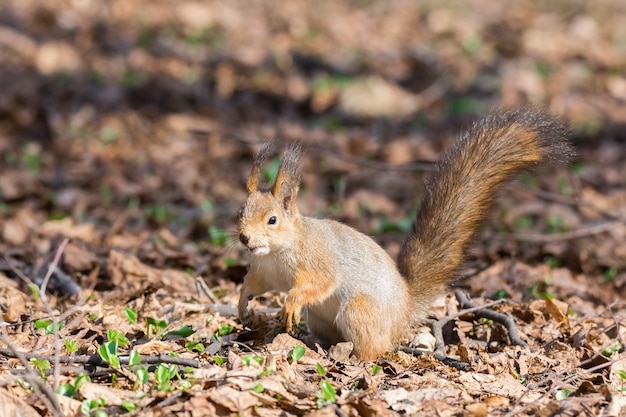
(243, 238)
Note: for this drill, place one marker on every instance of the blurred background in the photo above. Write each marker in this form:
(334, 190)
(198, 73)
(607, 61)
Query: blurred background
(132, 123)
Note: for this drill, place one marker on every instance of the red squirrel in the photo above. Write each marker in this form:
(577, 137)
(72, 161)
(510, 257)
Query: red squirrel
(345, 285)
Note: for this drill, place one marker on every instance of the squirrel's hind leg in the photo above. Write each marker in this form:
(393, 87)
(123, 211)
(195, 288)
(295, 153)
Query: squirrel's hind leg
(371, 330)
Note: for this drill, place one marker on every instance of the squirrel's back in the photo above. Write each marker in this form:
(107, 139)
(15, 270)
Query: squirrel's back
(467, 179)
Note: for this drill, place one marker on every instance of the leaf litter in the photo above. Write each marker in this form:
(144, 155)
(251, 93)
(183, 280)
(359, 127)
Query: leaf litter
(128, 128)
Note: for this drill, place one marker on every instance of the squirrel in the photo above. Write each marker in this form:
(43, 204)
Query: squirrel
(345, 284)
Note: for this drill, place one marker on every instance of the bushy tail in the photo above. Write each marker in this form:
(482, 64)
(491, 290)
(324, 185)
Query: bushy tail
(459, 196)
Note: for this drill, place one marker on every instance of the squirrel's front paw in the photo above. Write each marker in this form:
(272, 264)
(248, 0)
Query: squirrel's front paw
(245, 318)
(291, 315)
(244, 313)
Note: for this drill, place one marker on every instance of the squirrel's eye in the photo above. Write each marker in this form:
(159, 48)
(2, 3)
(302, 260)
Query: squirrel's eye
(271, 220)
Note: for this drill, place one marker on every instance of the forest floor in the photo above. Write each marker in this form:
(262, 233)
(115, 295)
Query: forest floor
(127, 130)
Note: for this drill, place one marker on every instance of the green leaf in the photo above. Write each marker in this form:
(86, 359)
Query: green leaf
(219, 360)
(108, 352)
(184, 331)
(80, 379)
(225, 330)
(100, 413)
(184, 384)
(154, 325)
(142, 374)
(320, 369)
(134, 358)
(622, 374)
(41, 364)
(297, 353)
(247, 360)
(114, 335)
(328, 391)
(128, 405)
(161, 324)
(67, 390)
(610, 350)
(34, 290)
(70, 345)
(163, 376)
(376, 369)
(86, 406)
(258, 388)
(131, 315)
(46, 324)
(193, 345)
(563, 394)
(500, 294)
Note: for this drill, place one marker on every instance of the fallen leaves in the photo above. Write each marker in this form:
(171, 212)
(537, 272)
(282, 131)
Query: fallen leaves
(128, 128)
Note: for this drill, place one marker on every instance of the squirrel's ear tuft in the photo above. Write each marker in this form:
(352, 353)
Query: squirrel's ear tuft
(252, 184)
(288, 178)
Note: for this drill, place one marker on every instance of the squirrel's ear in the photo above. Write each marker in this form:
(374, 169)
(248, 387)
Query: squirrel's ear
(286, 195)
(288, 178)
(252, 184)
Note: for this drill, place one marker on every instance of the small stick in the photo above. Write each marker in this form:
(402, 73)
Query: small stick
(96, 360)
(485, 312)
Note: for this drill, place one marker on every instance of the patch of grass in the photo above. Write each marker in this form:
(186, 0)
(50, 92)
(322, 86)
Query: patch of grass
(555, 224)
(551, 261)
(500, 294)
(523, 222)
(472, 45)
(609, 275)
(133, 78)
(385, 226)
(160, 213)
(32, 162)
(544, 69)
(218, 236)
(463, 105)
(109, 134)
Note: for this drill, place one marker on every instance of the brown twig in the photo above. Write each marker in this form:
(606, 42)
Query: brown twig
(55, 321)
(16, 270)
(31, 376)
(441, 357)
(96, 360)
(437, 329)
(203, 289)
(485, 312)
